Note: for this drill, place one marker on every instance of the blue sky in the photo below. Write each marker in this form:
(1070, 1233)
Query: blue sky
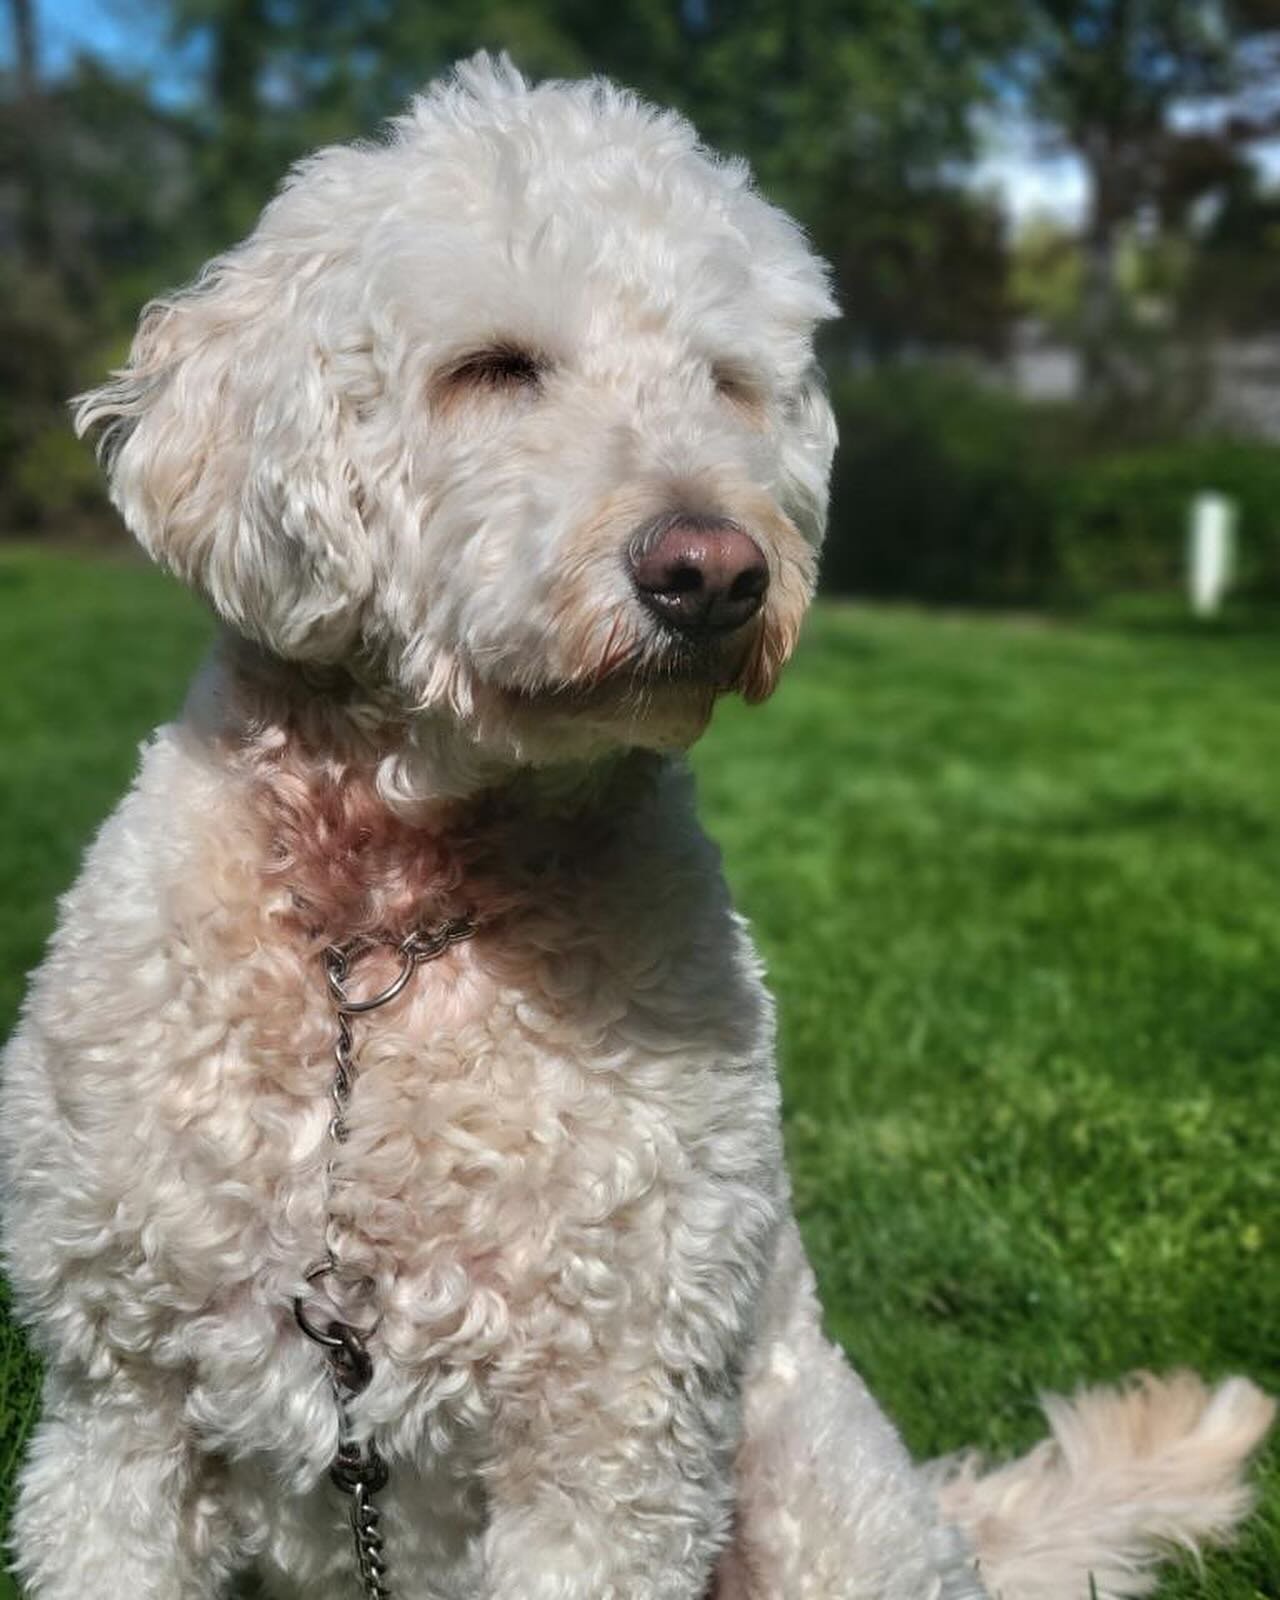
(129, 35)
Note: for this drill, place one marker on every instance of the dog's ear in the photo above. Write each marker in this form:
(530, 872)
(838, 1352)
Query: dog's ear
(229, 445)
(808, 449)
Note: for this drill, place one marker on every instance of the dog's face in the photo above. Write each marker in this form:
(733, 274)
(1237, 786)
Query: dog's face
(515, 415)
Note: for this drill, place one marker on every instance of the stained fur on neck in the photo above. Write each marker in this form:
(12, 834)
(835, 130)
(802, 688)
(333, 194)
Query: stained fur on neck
(361, 859)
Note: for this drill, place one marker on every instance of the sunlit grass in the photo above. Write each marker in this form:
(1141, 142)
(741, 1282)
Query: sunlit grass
(1019, 891)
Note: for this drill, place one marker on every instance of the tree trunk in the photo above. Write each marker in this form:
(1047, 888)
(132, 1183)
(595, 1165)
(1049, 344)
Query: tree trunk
(1099, 298)
(35, 221)
(240, 39)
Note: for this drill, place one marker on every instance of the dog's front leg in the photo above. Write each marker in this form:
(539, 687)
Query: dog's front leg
(829, 1503)
(112, 1504)
(616, 1488)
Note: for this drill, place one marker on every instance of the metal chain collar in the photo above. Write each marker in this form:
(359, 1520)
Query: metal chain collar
(358, 1470)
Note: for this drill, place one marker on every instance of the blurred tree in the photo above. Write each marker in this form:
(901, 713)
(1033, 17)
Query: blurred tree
(100, 175)
(857, 115)
(1232, 284)
(1156, 97)
(1046, 274)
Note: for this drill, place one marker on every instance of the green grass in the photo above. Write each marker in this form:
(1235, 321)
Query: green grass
(95, 653)
(1019, 891)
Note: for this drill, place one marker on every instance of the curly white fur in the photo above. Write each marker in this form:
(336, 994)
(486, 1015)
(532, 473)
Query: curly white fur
(563, 1194)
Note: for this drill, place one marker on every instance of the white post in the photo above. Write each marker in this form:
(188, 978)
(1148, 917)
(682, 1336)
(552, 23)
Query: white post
(1210, 552)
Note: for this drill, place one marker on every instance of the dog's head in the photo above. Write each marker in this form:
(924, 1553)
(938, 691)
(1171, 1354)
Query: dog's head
(514, 414)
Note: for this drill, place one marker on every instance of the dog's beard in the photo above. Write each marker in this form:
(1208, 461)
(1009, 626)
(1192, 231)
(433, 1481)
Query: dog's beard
(655, 686)
(639, 667)
(646, 710)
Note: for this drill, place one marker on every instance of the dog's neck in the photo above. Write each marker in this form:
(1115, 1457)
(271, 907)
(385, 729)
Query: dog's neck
(371, 834)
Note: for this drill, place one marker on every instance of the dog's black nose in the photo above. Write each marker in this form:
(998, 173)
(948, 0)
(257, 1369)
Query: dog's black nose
(701, 574)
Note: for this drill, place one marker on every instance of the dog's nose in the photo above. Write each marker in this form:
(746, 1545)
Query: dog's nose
(701, 574)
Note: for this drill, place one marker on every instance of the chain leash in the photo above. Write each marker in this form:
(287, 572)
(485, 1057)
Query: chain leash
(358, 1470)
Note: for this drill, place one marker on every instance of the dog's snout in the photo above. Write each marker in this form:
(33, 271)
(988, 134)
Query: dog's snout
(701, 574)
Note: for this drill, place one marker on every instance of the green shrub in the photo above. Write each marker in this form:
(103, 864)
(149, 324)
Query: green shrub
(56, 476)
(48, 480)
(950, 490)
(1122, 518)
(943, 491)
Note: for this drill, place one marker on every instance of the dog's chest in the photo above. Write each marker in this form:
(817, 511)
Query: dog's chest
(562, 1143)
(532, 1137)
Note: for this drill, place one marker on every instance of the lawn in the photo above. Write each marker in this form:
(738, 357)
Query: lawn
(1018, 887)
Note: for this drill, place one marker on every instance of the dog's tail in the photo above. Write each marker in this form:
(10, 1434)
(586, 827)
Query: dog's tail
(1129, 1474)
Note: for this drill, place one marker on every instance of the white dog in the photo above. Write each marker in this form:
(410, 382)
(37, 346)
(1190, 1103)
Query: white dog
(499, 450)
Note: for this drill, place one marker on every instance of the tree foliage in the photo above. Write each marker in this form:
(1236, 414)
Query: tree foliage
(860, 116)
(1159, 99)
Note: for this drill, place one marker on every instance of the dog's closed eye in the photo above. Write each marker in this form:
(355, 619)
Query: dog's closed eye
(497, 369)
(739, 389)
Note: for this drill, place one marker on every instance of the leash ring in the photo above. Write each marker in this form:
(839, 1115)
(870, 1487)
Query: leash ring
(324, 1336)
(354, 1008)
